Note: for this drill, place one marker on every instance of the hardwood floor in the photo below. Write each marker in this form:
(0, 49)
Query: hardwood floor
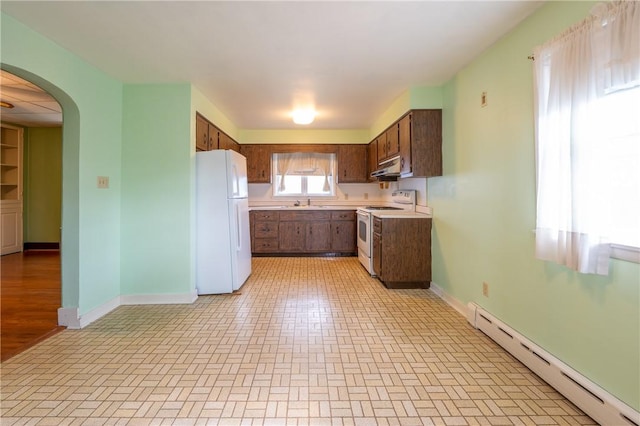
(30, 298)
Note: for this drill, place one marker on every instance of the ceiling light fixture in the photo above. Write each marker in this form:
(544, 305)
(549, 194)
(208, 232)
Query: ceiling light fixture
(303, 116)
(4, 104)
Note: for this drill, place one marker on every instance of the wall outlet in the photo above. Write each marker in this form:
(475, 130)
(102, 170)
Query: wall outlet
(366, 195)
(346, 196)
(485, 289)
(103, 182)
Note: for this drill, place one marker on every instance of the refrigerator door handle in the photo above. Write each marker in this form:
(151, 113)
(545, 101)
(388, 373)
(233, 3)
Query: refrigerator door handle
(238, 228)
(235, 181)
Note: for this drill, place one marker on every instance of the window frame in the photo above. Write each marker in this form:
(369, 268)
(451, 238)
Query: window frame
(304, 183)
(626, 253)
(622, 251)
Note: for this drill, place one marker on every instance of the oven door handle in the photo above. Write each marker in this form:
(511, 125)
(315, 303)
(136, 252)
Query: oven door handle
(363, 215)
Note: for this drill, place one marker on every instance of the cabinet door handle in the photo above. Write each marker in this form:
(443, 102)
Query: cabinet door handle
(337, 230)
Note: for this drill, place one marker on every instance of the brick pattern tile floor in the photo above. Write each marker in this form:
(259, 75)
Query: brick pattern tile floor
(305, 341)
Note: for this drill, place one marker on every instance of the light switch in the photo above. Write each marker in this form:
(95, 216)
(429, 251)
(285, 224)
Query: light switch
(103, 182)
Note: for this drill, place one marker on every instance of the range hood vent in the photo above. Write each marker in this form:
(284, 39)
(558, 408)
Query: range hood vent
(389, 170)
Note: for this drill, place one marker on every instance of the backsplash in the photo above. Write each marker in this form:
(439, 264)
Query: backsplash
(353, 193)
(357, 194)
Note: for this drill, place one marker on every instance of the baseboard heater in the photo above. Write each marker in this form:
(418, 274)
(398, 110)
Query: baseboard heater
(597, 403)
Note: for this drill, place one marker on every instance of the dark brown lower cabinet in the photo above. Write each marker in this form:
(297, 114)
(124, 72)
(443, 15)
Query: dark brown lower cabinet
(376, 249)
(291, 237)
(299, 233)
(343, 232)
(264, 231)
(402, 252)
(318, 237)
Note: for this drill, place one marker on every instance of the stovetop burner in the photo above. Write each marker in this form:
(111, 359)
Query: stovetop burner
(382, 208)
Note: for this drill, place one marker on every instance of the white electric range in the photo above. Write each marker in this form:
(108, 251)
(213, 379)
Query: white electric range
(403, 203)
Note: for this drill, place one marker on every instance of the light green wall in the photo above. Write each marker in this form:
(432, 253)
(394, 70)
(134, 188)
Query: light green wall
(401, 105)
(92, 132)
(425, 97)
(484, 216)
(42, 197)
(413, 98)
(316, 136)
(212, 113)
(157, 150)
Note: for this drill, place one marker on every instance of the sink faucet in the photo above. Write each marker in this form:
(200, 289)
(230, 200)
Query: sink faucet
(297, 203)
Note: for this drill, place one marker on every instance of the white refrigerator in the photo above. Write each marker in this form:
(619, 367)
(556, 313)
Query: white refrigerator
(223, 244)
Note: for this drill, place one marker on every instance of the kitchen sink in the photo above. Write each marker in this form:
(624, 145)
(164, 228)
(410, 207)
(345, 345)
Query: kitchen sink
(301, 207)
(269, 207)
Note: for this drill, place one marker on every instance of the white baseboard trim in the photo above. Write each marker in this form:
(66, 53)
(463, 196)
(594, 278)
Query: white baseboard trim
(99, 312)
(69, 317)
(452, 301)
(159, 299)
(599, 404)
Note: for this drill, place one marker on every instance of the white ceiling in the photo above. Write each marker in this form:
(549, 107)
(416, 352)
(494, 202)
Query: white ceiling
(256, 60)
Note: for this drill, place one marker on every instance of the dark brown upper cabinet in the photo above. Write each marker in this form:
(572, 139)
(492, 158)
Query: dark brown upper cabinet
(420, 142)
(352, 164)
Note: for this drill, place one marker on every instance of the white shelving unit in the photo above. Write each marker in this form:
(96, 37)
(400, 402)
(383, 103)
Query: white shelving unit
(11, 142)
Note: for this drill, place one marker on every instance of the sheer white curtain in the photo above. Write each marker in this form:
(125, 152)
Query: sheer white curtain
(304, 163)
(324, 165)
(574, 74)
(284, 164)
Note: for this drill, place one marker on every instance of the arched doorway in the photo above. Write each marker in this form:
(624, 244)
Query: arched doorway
(69, 217)
(31, 165)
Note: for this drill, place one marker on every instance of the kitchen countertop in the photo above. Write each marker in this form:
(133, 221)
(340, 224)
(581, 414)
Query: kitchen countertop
(303, 207)
(386, 214)
(421, 212)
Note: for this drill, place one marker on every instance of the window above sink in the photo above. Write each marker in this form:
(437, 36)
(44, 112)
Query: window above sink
(304, 174)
